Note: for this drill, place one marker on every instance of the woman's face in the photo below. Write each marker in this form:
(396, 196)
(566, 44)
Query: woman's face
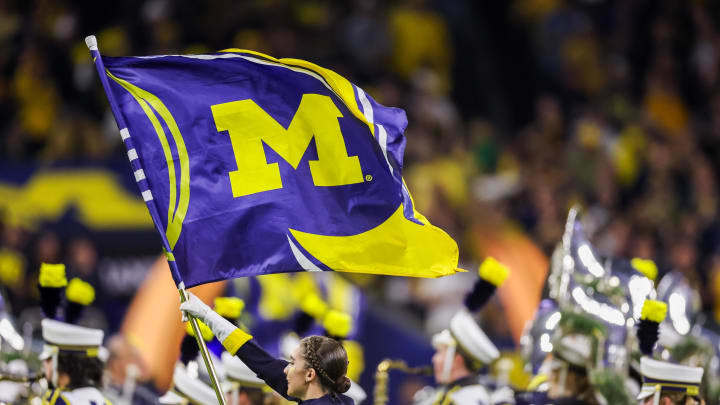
(63, 379)
(298, 374)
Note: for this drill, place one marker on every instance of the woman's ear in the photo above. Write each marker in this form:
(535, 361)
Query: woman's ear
(310, 375)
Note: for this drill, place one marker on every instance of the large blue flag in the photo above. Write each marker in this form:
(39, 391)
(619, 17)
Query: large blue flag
(252, 165)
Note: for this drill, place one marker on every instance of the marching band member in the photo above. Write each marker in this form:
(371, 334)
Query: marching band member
(668, 383)
(663, 382)
(70, 355)
(463, 348)
(125, 382)
(314, 375)
(575, 349)
(337, 325)
(71, 365)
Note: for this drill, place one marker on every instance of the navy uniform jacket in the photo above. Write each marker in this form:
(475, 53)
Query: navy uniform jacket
(541, 398)
(271, 370)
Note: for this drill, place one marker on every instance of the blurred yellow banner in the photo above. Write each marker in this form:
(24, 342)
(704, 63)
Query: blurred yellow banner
(100, 201)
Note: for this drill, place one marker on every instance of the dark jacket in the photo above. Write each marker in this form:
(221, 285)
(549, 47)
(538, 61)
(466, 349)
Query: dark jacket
(271, 370)
(541, 398)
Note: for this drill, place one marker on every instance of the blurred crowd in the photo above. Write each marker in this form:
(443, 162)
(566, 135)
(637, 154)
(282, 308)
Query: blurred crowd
(517, 109)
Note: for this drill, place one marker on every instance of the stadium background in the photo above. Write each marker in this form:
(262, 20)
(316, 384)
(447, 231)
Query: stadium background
(517, 110)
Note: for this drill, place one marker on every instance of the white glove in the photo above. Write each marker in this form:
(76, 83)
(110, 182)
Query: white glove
(221, 327)
(195, 307)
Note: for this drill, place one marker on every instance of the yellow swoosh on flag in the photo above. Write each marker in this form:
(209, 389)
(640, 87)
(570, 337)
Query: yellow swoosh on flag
(397, 247)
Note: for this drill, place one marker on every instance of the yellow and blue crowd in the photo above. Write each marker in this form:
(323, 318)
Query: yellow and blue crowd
(517, 110)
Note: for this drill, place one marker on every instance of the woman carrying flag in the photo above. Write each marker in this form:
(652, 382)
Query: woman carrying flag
(315, 375)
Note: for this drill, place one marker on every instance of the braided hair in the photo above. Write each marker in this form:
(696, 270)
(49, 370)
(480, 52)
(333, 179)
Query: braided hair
(329, 360)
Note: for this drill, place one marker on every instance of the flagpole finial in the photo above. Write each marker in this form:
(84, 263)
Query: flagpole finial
(91, 42)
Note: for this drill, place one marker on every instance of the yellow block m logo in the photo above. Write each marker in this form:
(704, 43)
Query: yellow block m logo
(249, 126)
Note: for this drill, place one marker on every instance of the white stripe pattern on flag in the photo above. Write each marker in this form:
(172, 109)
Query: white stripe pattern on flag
(132, 154)
(139, 175)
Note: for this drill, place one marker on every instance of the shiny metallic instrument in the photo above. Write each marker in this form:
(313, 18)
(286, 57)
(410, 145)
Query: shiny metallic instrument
(20, 378)
(382, 378)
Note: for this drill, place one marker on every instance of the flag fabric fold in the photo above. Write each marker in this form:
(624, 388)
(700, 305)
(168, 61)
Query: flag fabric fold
(252, 165)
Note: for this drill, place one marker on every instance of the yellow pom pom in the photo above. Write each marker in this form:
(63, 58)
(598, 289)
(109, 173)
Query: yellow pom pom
(314, 306)
(80, 292)
(276, 303)
(645, 266)
(229, 307)
(303, 283)
(493, 271)
(205, 331)
(654, 311)
(356, 359)
(337, 323)
(12, 268)
(52, 275)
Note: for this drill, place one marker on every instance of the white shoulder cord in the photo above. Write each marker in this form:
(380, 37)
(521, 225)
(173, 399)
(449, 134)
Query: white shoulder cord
(656, 395)
(55, 369)
(447, 364)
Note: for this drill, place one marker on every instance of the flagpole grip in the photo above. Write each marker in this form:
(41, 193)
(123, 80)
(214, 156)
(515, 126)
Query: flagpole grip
(204, 352)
